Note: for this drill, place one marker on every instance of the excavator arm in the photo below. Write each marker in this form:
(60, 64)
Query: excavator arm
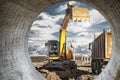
(63, 35)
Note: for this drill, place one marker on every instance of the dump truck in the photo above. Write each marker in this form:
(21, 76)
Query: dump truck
(101, 51)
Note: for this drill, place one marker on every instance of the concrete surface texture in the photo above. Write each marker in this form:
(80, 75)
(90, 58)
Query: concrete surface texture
(16, 17)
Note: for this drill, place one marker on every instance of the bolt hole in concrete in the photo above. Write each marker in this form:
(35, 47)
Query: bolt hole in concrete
(88, 38)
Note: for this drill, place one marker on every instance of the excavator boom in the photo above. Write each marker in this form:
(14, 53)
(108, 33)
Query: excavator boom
(77, 15)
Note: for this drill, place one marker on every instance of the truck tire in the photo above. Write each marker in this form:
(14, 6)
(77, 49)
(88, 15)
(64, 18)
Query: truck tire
(99, 66)
(93, 66)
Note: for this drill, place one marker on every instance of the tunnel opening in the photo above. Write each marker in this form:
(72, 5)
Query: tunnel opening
(49, 23)
(15, 22)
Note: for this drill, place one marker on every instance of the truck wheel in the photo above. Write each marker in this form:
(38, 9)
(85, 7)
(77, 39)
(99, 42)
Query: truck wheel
(93, 66)
(99, 66)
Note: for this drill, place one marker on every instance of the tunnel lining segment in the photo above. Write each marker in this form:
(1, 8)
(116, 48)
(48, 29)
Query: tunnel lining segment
(16, 17)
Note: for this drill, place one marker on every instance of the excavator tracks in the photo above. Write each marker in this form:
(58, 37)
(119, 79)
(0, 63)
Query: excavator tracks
(79, 73)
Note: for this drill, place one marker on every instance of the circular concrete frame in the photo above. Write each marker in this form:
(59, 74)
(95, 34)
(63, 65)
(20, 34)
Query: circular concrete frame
(16, 17)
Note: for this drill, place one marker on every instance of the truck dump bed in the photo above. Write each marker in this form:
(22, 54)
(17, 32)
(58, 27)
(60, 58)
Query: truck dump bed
(102, 46)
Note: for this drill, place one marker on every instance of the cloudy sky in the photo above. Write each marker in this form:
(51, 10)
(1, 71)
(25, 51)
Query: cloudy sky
(48, 23)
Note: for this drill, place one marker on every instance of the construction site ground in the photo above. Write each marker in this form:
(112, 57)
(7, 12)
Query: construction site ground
(83, 71)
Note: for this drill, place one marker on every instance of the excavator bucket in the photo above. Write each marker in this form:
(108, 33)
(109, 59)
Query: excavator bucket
(80, 15)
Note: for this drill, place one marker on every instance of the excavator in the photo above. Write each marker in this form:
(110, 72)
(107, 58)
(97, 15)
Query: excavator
(61, 58)
(57, 49)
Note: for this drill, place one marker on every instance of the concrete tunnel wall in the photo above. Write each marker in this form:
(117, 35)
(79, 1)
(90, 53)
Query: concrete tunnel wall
(16, 17)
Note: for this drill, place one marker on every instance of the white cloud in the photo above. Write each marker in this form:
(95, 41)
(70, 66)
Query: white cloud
(76, 27)
(96, 17)
(48, 20)
(35, 28)
(50, 24)
(82, 33)
(61, 8)
(47, 26)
